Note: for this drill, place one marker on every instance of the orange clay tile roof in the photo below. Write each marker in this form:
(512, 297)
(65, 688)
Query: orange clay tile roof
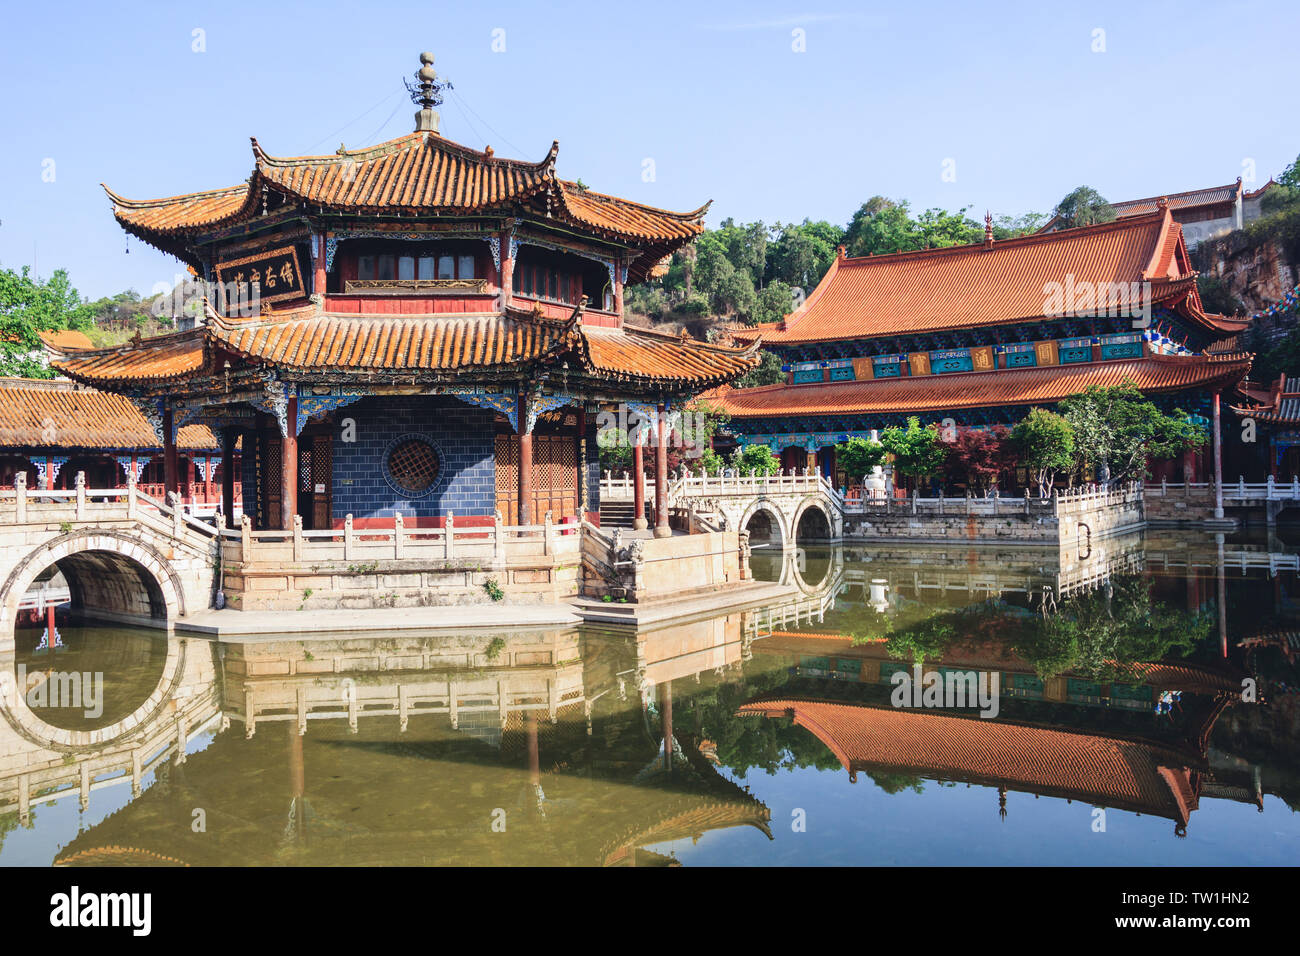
(972, 286)
(392, 343)
(1184, 200)
(154, 360)
(55, 414)
(401, 345)
(1152, 374)
(637, 354)
(1112, 771)
(215, 207)
(413, 175)
(65, 339)
(1190, 199)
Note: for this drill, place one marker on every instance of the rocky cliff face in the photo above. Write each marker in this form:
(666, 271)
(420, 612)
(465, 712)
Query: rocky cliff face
(1256, 265)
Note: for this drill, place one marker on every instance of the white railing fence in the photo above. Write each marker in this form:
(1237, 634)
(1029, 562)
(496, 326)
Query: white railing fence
(1240, 490)
(495, 541)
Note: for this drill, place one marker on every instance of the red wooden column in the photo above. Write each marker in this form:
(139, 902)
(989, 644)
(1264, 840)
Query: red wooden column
(289, 466)
(661, 475)
(318, 285)
(228, 475)
(1218, 460)
(525, 459)
(618, 289)
(171, 465)
(639, 522)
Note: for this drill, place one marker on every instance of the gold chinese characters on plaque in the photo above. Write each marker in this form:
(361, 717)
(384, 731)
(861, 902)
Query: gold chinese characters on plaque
(275, 272)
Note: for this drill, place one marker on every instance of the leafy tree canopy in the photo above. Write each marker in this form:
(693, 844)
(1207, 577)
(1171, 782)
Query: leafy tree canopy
(981, 455)
(916, 449)
(767, 372)
(1083, 206)
(1045, 444)
(858, 457)
(1117, 426)
(29, 306)
(756, 458)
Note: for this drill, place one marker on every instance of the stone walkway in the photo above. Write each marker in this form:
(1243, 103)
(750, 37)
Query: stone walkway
(232, 625)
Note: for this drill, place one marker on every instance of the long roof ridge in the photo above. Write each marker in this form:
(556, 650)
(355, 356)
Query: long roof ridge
(692, 216)
(1029, 239)
(670, 337)
(406, 141)
(125, 203)
(1186, 192)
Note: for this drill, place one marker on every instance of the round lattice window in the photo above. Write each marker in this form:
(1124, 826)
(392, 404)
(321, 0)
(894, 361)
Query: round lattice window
(413, 466)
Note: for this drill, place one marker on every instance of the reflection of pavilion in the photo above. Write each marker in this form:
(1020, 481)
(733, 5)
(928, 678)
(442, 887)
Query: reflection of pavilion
(511, 750)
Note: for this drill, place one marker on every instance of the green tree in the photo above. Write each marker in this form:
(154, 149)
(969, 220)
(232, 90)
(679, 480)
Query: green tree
(1083, 206)
(1045, 442)
(1290, 177)
(30, 306)
(756, 458)
(767, 372)
(882, 226)
(859, 456)
(801, 254)
(917, 450)
(1118, 427)
(774, 303)
(1009, 227)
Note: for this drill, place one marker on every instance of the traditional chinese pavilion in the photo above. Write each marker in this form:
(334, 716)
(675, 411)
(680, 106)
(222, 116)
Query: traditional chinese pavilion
(982, 332)
(431, 330)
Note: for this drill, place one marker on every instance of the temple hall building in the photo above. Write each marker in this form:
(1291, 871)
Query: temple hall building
(981, 333)
(51, 430)
(414, 329)
(1203, 213)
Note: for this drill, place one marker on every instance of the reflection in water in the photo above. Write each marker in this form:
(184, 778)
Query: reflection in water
(696, 742)
(83, 677)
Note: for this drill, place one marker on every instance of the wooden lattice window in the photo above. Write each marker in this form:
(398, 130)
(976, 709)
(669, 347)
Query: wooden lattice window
(413, 466)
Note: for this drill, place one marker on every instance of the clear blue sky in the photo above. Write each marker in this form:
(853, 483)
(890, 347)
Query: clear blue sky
(715, 94)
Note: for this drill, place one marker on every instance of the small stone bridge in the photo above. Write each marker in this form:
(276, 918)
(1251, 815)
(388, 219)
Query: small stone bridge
(124, 555)
(787, 509)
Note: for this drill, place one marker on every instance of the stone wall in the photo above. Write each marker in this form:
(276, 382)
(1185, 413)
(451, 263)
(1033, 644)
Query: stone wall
(1069, 522)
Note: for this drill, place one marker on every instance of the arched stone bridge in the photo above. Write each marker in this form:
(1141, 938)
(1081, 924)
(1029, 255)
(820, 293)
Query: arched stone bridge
(125, 556)
(788, 510)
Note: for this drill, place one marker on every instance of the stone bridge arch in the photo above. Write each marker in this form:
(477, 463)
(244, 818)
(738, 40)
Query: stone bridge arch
(112, 574)
(830, 518)
(781, 532)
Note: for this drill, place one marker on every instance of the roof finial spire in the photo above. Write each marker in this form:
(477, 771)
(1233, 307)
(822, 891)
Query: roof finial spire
(426, 93)
(988, 229)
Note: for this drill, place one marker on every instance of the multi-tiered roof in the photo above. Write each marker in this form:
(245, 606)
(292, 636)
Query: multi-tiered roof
(402, 189)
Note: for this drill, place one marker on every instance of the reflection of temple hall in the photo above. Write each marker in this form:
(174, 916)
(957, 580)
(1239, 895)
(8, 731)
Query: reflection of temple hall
(1064, 747)
(435, 328)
